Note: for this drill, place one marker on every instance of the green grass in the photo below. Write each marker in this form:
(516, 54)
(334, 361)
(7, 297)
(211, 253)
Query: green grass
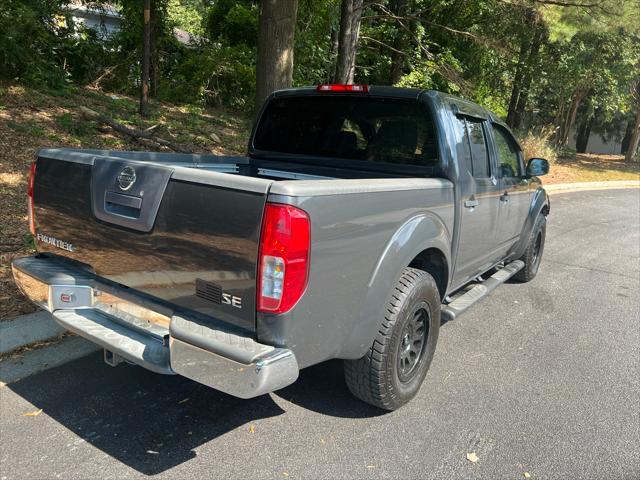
(72, 126)
(27, 127)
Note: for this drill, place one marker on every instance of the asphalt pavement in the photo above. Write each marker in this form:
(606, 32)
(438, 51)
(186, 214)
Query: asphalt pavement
(542, 378)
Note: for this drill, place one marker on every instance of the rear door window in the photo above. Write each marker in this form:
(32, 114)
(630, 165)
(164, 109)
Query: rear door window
(474, 147)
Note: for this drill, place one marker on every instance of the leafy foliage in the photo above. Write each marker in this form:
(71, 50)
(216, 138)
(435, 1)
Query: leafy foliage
(555, 66)
(28, 43)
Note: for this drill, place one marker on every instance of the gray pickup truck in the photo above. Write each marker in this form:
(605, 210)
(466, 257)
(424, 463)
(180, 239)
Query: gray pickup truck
(361, 218)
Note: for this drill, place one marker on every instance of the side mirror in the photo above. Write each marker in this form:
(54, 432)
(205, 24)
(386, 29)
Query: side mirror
(537, 167)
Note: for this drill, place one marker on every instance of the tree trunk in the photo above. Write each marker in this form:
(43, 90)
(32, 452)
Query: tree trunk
(399, 8)
(274, 68)
(153, 51)
(529, 72)
(146, 50)
(628, 133)
(517, 82)
(334, 53)
(350, 15)
(570, 116)
(584, 131)
(635, 138)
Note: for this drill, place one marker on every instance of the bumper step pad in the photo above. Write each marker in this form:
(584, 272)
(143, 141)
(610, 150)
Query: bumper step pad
(97, 327)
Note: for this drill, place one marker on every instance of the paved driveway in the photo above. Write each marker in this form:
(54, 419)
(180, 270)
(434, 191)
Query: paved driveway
(541, 378)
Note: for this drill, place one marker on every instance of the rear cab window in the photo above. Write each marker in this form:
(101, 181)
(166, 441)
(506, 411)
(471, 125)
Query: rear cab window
(364, 128)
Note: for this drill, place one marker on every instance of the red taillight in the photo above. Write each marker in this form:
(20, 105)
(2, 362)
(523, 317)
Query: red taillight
(32, 179)
(333, 87)
(283, 258)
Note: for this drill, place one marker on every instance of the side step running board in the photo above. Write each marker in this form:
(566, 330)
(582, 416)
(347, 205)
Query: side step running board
(462, 303)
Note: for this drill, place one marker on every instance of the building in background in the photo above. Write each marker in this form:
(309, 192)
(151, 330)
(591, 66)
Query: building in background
(106, 19)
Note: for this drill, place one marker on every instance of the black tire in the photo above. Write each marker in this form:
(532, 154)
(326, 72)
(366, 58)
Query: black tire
(533, 254)
(392, 371)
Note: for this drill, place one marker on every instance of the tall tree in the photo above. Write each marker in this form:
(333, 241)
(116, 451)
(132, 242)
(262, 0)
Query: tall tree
(274, 66)
(146, 55)
(350, 17)
(634, 143)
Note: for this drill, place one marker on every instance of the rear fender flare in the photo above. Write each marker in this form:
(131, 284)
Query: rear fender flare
(418, 233)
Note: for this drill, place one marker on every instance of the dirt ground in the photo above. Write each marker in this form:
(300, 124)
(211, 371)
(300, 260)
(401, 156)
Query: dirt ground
(589, 167)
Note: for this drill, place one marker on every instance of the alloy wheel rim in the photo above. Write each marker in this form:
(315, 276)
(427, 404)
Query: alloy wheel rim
(412, 344)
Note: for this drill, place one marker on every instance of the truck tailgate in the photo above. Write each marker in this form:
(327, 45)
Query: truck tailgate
(186, 236)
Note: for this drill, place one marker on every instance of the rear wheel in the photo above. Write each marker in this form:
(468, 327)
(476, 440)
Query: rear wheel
(392, 371)
(533, 254)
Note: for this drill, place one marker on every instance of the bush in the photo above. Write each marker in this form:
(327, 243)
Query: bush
(213, 75)
(40, 45)
(28, 43)
(233, 22)
(537, 143)
(84, 55)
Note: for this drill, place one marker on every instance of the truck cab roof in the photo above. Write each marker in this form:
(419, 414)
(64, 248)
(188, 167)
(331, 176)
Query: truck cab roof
(457, 104)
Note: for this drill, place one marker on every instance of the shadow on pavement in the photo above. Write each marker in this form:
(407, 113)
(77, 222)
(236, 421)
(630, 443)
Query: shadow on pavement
(153, 422)
(321, 388)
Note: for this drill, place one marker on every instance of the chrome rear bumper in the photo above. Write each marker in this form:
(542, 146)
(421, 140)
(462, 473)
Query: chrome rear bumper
(135, 327)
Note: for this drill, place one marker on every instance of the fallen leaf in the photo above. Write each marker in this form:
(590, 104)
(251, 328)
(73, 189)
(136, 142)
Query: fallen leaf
(472, 457)
(184, 400)
(526, 475)
(152, 452)
(252, 429)
(32, 414)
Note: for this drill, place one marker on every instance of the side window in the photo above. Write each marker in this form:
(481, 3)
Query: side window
(508, 153)
(464, 149)
(474, 147)
(479, 153)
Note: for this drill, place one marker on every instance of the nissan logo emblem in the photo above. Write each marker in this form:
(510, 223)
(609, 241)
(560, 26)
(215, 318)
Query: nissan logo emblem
(126, 178)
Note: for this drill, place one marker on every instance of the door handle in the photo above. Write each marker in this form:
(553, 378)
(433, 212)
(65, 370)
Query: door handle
(504, 197)
(471, 203)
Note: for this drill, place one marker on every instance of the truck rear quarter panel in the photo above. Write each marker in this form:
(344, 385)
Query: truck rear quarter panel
(361, 239)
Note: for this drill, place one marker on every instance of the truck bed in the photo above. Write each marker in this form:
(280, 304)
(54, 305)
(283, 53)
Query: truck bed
(281, 168)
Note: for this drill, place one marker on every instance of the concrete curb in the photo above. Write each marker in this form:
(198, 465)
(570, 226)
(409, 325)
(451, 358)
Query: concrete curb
(27, 329)
(22, 365)
(586, 186)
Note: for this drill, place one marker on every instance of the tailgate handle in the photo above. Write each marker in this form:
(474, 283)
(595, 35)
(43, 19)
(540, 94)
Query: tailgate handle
(124, 200)
(119, 204)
